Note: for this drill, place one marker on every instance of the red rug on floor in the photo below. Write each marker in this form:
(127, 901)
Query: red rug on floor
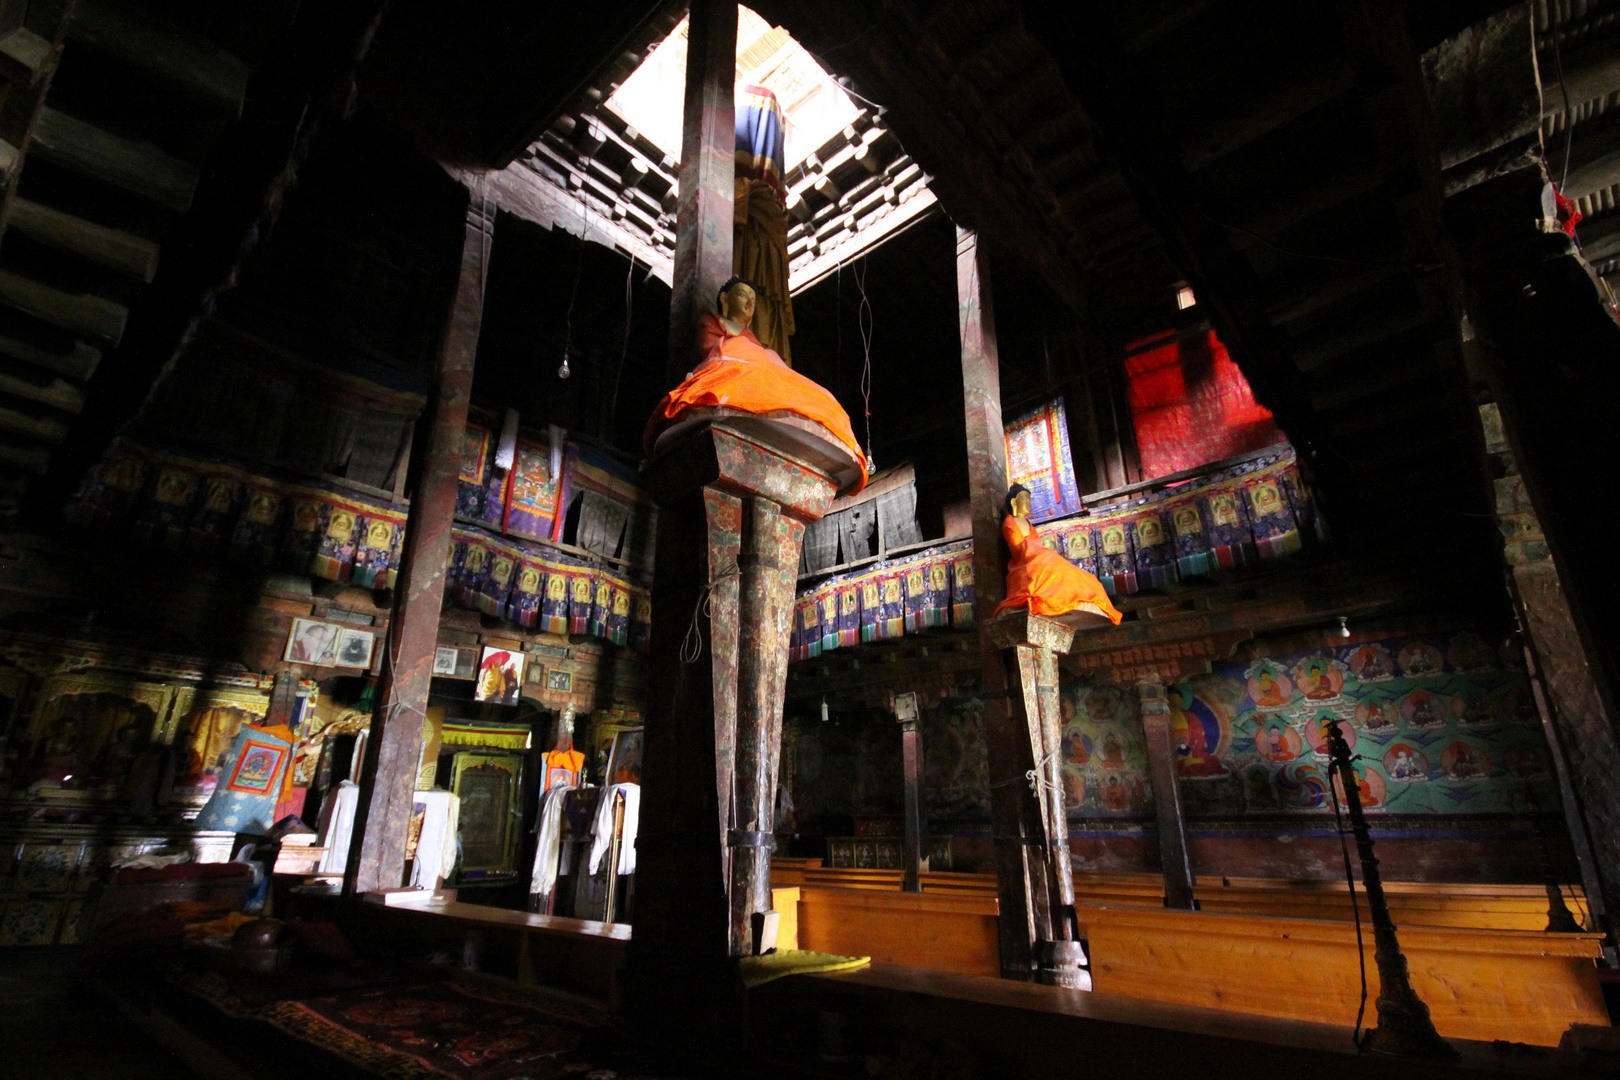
(430, 1030)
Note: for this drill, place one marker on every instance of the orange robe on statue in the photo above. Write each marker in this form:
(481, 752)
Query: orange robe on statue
(1044, 581)
(737, 372)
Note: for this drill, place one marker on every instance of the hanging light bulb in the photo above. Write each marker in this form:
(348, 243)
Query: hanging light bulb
(824, 716)
(1344, 626)
(563, 372)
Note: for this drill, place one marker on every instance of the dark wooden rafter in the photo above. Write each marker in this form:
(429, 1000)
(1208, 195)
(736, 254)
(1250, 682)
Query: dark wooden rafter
(307, 80)
(1117, 93)
(980, 171)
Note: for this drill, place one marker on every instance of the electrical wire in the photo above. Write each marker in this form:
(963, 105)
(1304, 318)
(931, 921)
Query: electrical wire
(624, 350)
(864, 320)
(1569, 119)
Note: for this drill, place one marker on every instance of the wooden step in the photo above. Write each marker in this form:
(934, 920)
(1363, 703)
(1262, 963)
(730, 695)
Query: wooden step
(112, 248)
(172, 53)
(136, 167)
(79, 364)
(24, 57)
(90, 316)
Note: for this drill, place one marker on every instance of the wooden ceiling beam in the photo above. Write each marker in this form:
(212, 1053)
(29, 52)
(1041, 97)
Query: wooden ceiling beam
(111, 248)
(78, 364)
(87, 316)
(136, 167)
(161, 48)
(1274, 106)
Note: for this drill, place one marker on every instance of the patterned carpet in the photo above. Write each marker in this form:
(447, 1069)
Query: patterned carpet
(427, 1030)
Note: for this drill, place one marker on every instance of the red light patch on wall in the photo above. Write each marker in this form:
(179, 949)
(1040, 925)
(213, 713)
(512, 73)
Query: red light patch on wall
(1191, 405)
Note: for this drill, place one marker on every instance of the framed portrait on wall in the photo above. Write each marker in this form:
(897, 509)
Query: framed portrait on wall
(624, 761)
(500, 676)
(312, 642)
(444, 661)
(560, 680)
(354, 647)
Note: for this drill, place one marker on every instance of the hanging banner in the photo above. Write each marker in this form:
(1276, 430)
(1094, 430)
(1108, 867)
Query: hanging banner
(1038, 457)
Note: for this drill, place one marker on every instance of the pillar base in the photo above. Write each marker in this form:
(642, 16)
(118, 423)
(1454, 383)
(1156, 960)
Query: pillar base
(1062, 963)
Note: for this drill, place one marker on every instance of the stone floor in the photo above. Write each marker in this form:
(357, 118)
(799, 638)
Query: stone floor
(53, 1028)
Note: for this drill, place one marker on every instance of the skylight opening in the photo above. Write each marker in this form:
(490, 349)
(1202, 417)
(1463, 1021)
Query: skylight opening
(814, 107)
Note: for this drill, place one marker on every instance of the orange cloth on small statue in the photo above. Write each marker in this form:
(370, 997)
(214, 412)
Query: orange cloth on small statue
(1045, 581)
(738, 372)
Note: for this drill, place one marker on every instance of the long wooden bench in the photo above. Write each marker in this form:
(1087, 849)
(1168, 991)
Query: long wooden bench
(1415, 903)
(927, 930)
(1517, 985)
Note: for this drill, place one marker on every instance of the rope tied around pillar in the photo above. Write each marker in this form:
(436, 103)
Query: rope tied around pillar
(692, 643)
(1039, 785)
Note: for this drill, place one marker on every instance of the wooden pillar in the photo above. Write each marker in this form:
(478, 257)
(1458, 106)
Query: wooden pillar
(911, 758)
(759, 716)
(1162, 771)
(388, 779)
(732, 512)
(1035, 643)
(1014, 816)
(703, 222)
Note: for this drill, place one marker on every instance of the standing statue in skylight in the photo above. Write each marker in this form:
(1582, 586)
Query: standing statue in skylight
(759, 229)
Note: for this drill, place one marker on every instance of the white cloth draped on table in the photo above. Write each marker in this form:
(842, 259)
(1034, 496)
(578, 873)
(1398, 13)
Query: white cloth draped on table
(602, 833)
(547, 851)
(436, 846)
(337, 826)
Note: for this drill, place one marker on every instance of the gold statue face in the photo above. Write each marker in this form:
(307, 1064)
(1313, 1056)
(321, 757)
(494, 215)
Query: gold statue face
(1020, 504)
(739, 305)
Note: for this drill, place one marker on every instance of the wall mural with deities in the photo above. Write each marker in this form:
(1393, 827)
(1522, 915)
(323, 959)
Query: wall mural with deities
(1439, 724)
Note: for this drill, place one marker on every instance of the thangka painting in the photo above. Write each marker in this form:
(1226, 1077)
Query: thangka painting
(531, 507)
(1038, 457)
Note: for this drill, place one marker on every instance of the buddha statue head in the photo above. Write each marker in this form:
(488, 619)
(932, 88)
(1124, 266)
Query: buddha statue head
(1018, 501)
(736, 303)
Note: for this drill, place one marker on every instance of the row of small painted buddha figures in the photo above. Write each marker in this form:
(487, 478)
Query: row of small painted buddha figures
(738, 372)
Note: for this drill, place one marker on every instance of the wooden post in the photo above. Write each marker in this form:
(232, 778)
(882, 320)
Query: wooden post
(1015, 819)
(911, 757)
(703, 222)
(388, 779)
(1161, 753)
(1035, 643)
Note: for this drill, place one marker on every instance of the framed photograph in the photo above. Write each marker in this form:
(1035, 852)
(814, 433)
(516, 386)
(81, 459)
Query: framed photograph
(537, 674)
(624, 762)
(500, 676)
(354, 648)
(560, 680)
(444, 661)
(312, 642)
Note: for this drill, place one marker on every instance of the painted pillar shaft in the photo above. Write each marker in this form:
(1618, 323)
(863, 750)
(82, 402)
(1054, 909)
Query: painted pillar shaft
(388, 780)
(1020, 880)
(912, 762)
(703, 222)
(1161, 754)
(749, 836)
